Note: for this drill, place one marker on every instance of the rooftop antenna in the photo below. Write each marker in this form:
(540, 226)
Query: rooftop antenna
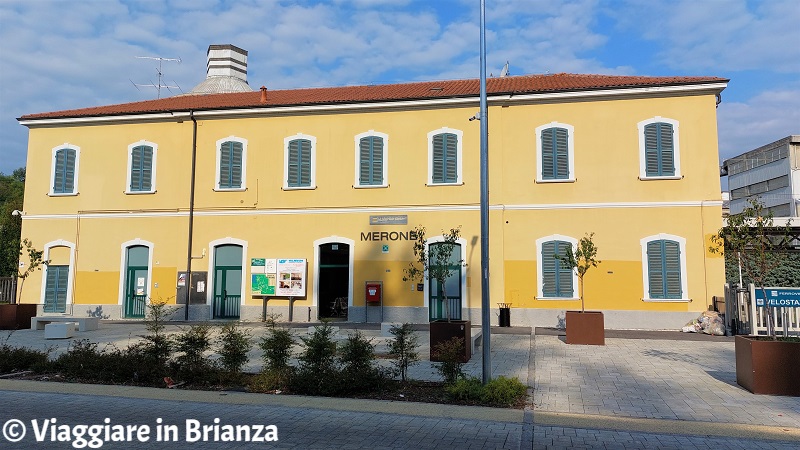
(160, 75)
(504, 72)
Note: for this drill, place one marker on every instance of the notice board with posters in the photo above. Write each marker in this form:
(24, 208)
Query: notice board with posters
(291, 278)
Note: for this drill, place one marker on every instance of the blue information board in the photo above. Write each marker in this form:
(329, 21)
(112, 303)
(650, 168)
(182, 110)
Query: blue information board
(778, 297)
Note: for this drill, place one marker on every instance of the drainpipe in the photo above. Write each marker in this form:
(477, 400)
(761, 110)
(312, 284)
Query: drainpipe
(191, 217)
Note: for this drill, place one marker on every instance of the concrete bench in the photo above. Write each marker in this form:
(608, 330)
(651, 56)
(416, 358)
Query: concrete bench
(61, 330)
(477, 340)
(83, 323)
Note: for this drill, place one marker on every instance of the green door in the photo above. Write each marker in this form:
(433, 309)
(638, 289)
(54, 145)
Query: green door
(55, 290)
(452, 289)
(227, 281)
(136, 282)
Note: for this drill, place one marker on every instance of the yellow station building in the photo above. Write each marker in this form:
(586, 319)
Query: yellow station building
(312, 194)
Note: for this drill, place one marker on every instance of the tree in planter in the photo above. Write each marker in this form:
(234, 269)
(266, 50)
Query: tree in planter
(758, 244)
(435, 261)
(581, 260)
(35, 262)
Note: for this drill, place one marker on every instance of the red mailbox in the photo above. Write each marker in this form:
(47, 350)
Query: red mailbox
(374, 291)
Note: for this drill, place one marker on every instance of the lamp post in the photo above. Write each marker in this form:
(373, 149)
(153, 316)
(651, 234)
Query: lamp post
(484, 151)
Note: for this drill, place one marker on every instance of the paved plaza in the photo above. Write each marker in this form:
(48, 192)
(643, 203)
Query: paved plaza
(663, 391)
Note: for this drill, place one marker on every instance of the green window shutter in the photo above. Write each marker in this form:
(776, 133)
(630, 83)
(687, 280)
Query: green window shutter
(299, 173)
(664, 269)
(141, 168)
(230, 165)
(55, 294)
(445, 158)
(672, 269)
(556, 278)
(371, 161)
(555, 154)
(64, 171)
(659, 149)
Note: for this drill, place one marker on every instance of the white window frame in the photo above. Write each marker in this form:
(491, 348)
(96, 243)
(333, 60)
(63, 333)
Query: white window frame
(123, 266)
(358, 137)
(459, 151)
(676, 150)
(70, 272)
(570, 152)
(231, 138)
(154, 146)
(540, 268)
(53, 170)
(684, 274)
(286, 140)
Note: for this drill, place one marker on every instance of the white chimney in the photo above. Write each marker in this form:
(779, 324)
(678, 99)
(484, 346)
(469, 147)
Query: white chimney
(226, 61)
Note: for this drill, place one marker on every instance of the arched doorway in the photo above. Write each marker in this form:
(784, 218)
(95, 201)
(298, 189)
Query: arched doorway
(333, 279)
(137, 260)
(451, 292)
(227, 281)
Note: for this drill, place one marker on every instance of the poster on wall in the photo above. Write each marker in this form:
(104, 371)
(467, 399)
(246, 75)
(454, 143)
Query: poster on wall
(263, 283)
(291, 277)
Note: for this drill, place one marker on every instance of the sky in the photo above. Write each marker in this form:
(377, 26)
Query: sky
(58, 54)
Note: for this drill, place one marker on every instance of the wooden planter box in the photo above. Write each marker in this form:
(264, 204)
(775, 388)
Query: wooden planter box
(442, 331)
(585, 328)
(764, 366)
(16, 316)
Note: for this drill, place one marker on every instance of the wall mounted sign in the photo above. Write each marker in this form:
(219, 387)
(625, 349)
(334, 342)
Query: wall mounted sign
(291, 278)
(389, 220)
(778, 297)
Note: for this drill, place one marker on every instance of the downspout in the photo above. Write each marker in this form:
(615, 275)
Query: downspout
(191, 217)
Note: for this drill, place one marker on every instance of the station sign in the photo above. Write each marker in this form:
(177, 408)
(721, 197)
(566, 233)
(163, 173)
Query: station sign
(777, 297)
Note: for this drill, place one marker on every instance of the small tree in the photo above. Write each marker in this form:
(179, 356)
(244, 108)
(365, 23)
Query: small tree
(435, 261)
(581, 260)
(403, 347)
(35, 262)
(752, 236)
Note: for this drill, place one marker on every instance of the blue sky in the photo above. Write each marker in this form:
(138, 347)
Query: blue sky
(58, 55)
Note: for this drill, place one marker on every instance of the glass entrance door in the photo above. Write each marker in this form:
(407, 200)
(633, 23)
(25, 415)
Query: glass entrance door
(227, 281)
(136, 282)
(452, 290)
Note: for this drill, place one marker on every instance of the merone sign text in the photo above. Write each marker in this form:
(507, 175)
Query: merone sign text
(389, 236)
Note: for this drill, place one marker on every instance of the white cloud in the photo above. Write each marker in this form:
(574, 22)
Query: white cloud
(765, 118)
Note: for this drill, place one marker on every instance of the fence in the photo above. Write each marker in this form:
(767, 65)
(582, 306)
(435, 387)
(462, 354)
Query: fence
(8, 290)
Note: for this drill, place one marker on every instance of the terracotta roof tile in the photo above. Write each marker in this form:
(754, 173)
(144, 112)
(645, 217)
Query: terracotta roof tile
(526, 84)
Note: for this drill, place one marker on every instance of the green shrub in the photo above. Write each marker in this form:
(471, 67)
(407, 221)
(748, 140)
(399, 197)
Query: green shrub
(357, 359)
(503, 392)
(234, 344)
(403, 347)
(13, 359)
(469, 390)
(277, 348)
(157, 344)
(450, 353)
(317, 372)
(193, 364)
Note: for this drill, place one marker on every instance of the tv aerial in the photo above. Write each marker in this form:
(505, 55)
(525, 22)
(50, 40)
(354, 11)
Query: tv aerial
(160, 83)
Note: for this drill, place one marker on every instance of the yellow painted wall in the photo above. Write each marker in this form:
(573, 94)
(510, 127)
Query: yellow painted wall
(608, 198)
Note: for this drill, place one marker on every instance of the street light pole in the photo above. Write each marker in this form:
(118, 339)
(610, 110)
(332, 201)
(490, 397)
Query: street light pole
(485, 311)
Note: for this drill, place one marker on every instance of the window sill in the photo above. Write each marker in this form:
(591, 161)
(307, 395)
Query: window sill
(370, 186)
(429, 184)
(299, 188)
(139, 192)
(568, 299)
(230, 189)
(667, 300)
(670, 177)
(66, 194)
(565, 180)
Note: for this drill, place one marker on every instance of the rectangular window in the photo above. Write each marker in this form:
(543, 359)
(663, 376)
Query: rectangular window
(556, 278)
(230, 165)
(64, 171)
(370, 161)
(141, 168)
(664, 269)
(299, 164)
(445, 158)
(659, 150)
(555, 154)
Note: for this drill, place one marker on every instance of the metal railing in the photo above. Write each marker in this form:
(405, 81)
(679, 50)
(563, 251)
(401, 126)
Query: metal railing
(135, 306)
(227, 306)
